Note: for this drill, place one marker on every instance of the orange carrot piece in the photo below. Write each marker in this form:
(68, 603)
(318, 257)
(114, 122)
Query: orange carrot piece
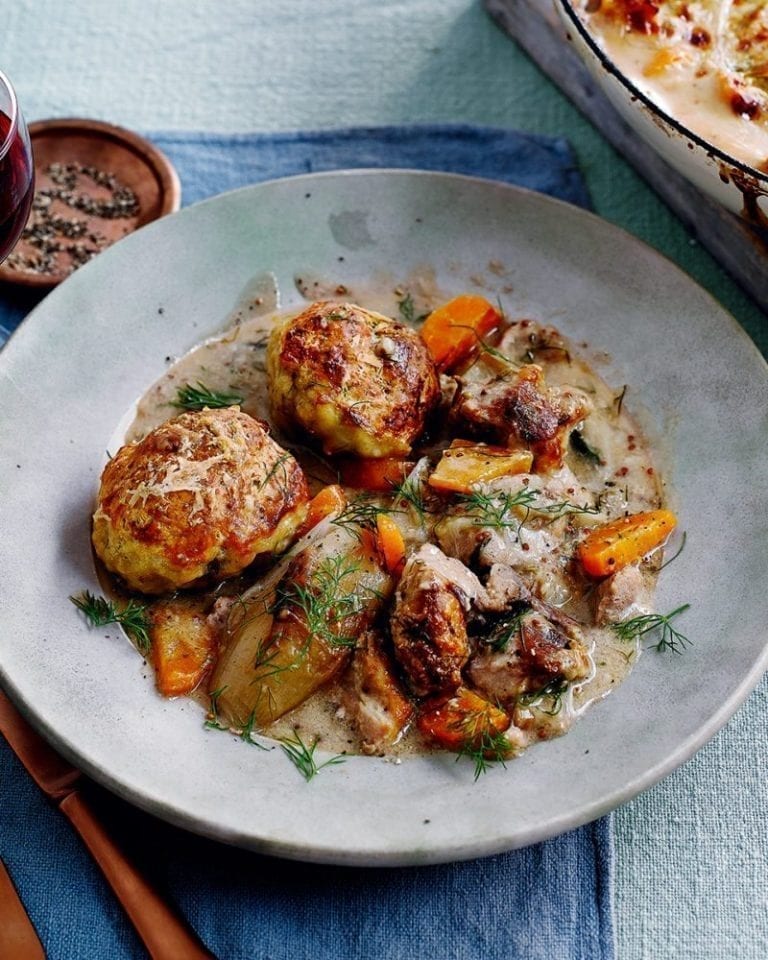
(380, 475)
(614, 545)
(330, 499)
(464, 720)
(465, 463)
(183, 645)
(454, 330)
(391, 544)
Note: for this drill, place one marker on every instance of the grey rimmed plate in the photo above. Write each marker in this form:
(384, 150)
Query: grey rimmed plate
(78, 363)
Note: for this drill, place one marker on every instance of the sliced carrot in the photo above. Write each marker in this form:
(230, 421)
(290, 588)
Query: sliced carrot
(330, 499)
(380, 475)
(614, 545)
(391, 544)
(464, 720)
(454, 331)
(465, 463)
(183, 645)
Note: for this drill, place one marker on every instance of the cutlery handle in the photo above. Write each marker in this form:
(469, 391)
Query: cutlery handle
(165, 935)
(18, 938)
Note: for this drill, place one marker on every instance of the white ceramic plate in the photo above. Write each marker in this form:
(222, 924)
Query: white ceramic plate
(94, 345)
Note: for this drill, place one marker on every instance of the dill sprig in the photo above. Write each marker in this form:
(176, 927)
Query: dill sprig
(198, 397)
(676, 553)
(564, 508)
(302, 756)
(411, 492)
(482, 742)
(407, 309)
(133, 617)
(506, 629)
(484, 748)
(669, 639)
(323, 603)
(555, 689)
(360, 514)
(246, 733)
(212, 719)
(496, 509)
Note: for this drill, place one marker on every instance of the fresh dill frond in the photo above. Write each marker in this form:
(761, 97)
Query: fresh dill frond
(279, 464)
(407, 308)
(323, 603)
(506, 629)
(212, 720)
(133, 617)
(246, 734)
(302, 756)
(410, 491)
(497, 509)
(563, 508)
(555, 689)
(189, 397)
(676, 553)
(485, 748)
(360, 514)
(669, 638)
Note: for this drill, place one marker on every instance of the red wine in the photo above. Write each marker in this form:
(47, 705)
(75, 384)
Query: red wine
(17, 184)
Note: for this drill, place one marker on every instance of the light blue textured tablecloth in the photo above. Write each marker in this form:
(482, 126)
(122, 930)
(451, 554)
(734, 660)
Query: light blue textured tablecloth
(546, 902)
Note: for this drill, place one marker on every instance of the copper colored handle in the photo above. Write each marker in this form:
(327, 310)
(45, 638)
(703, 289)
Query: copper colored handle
(165, 935)
(17, 935)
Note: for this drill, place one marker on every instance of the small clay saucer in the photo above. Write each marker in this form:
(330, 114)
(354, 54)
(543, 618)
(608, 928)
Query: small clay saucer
(94, 183)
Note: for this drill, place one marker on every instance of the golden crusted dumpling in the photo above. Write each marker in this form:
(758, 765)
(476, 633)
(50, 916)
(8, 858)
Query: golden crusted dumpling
(202, 494)
(354, 379)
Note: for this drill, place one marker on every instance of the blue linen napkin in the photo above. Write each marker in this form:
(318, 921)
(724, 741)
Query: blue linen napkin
(551, 901)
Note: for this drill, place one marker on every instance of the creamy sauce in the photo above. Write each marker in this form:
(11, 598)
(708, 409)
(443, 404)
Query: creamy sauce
(704, 63)
(625, 481)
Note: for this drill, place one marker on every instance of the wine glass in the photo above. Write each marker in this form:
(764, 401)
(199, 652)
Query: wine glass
(17, 178)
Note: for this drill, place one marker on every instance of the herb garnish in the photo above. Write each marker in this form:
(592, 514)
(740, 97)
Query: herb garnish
(246, 734)
(323, 603)
(212, 720)
(670, 638)
(360, 514)
(496, 509)
(410, 491)
(199, 397)
(676, 553)
(303, 756)
(506, 629)
(555, 689)
(133, 617)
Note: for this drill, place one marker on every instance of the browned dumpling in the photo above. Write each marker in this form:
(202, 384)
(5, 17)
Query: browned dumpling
(355, 380)
(203, 494)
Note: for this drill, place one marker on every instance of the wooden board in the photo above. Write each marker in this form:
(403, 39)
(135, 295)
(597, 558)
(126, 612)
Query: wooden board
(739, 247)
